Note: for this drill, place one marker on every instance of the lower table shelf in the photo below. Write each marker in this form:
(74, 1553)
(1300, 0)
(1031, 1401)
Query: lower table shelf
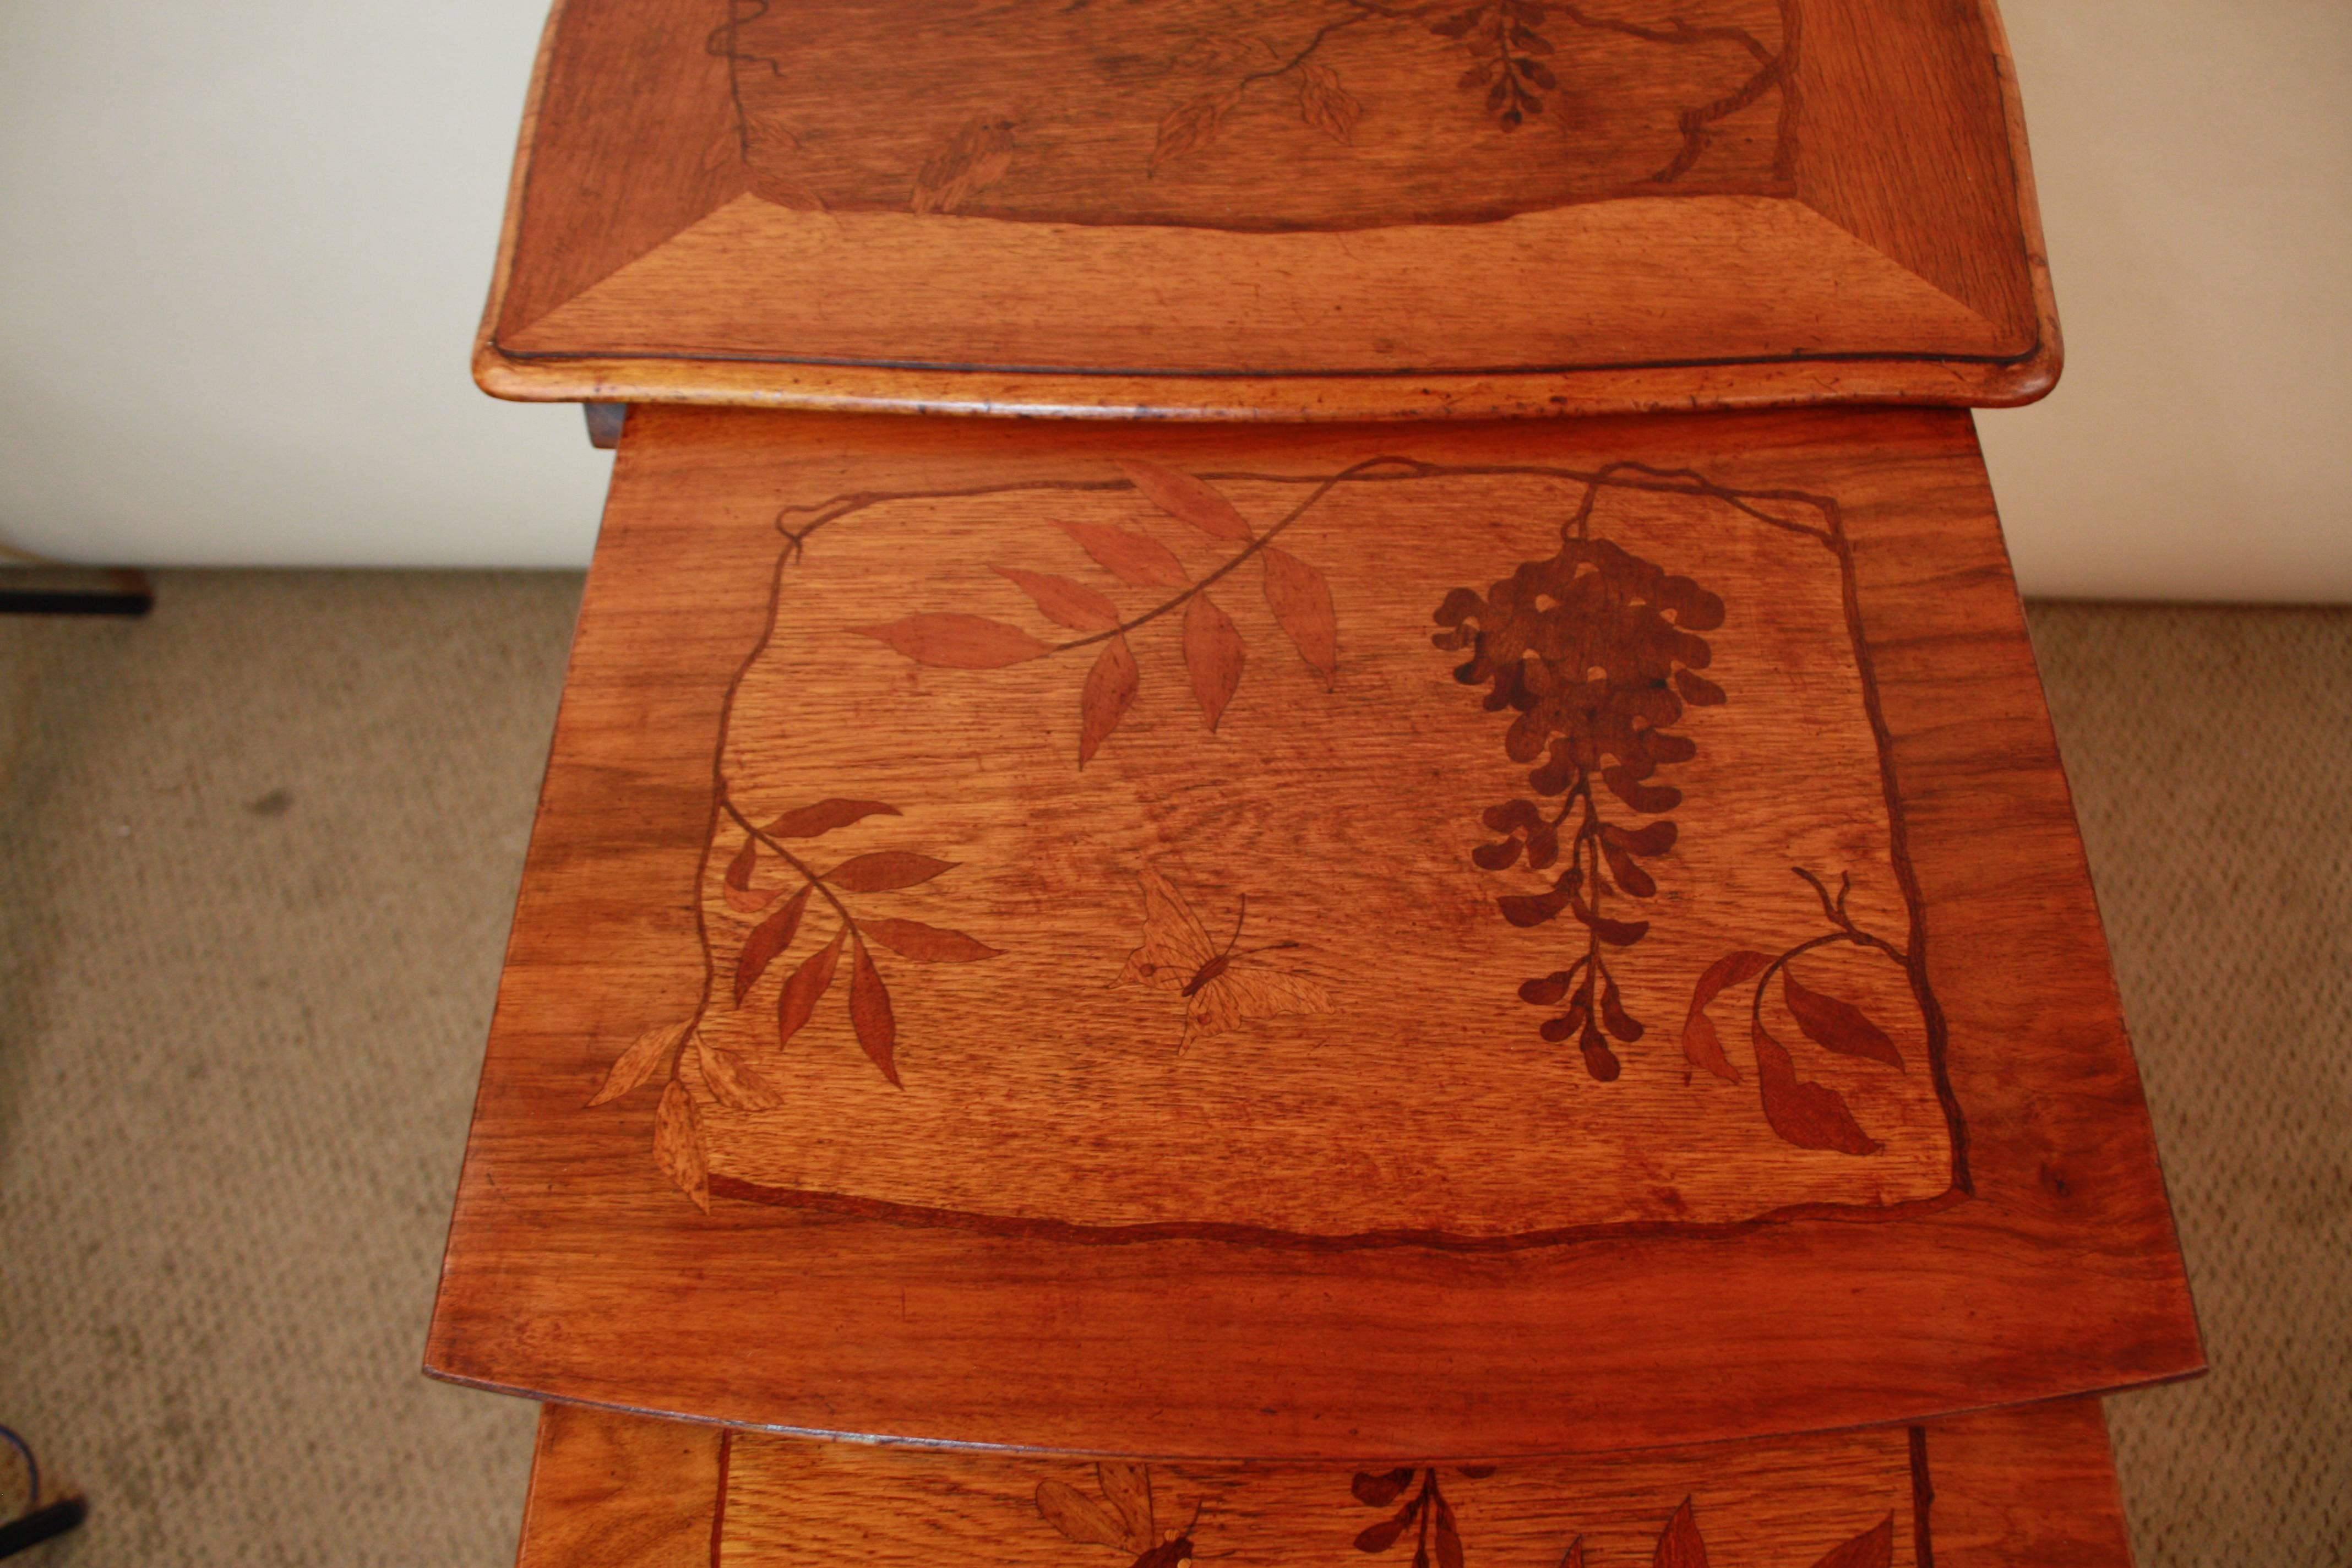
(2030, 1485)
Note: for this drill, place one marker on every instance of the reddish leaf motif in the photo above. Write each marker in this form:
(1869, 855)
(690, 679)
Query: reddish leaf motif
(806, 988)
(1574, 1556)
(1381, 1490)
(1191, 125)
(886, 871)
(967, 164)
(1836, 1026)
(1325, 104)
(952, 641)
(1810, 1115)
(1188, 499)
(869, 1012)
(1700, 1042)
(637, 1063)
(1109, 692)
(678, 1145)
(1874, 1548)
(1066, 601)
(1449, 1539)
(1213, 654)
(769, 938)
(1680, 1545)
(1381, 1536)
(1301, 602)
(932, 944)
(1136, 560)
(737, 883)
(735, 1083)
(814, 821)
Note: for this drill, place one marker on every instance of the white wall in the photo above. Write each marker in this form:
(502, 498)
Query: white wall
(2196, 168)
(243, 244)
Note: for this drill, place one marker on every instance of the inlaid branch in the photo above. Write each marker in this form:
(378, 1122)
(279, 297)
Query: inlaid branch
(732, 1079)
(1214, 655)
(1807, 1114)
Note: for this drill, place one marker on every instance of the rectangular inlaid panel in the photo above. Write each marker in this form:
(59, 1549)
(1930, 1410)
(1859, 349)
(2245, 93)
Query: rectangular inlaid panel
(1237, 208)
(1994, 1490)
(1254, 920)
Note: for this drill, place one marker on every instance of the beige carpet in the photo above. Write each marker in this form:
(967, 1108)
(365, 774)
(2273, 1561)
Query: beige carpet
(256, 861)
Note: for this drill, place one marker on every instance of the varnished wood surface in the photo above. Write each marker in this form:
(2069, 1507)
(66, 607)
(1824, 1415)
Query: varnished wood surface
(848, 871)
(2002, 1490)
(1221, 209)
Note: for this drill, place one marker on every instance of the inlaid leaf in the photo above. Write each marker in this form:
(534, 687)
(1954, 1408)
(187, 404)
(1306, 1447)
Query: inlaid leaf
(1532, 908)
(1626, 872)
(806, 987)
(1188, 499)
(932, 944)
(1381, 1536)
(968, 163)
(949, 640)
(1301, 600)
(1615, 933)
(1381, 1490)
(1621, 1024)
(636, 1064)
(814, 821)
(1697, 689)
(1574, 1556)
(886, 871)
(1066, 600)
(678, 1145)
(1213, 655)
(1874, 1548)
(1078, 1516)
(735, 1083)
(1191, 125)
(1650, 800)
(1128, 1488)
(1650, 838)
(1680, 1545)
(1701, 1044)
(1810, 1115)
(1109, 692)
(769, 938)
(773, 184)
(1836, 1026)
(869, 1012)
(1136, 560)
(737, 884)
(1448, 1537)
(1325, 104)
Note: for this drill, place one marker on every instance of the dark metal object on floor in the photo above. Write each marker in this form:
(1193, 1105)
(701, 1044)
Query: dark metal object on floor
(127, 593)
(41, 1524)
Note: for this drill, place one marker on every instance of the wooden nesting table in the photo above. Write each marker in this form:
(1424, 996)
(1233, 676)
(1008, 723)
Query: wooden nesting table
(1250, 982)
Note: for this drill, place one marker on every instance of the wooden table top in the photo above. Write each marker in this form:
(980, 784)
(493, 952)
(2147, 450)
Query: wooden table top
(1993, 1490)
(1247, 209)
(1344, 942)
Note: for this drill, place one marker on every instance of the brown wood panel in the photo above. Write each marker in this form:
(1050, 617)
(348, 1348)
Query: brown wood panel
(618, 1491)
(1993, 1490)
(1060, 959)
(1229, 208)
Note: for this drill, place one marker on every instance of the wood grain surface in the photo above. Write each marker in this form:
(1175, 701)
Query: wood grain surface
(1233, 209)
(2025, 1486)
(1328, 943)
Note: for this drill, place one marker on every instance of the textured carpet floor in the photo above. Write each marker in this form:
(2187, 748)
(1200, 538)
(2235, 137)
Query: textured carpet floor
(256, 858)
